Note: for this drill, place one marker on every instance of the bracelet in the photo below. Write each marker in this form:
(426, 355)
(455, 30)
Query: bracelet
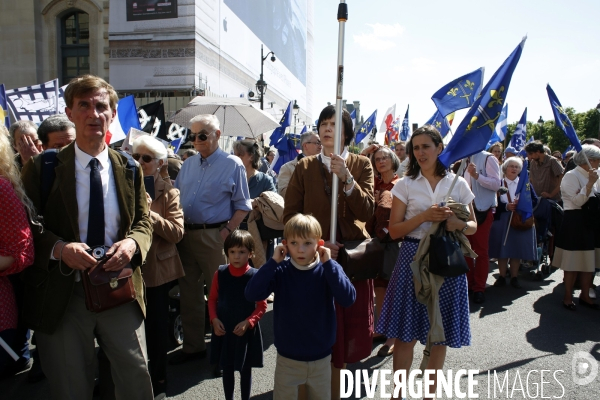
(60, 261)
(226, 227)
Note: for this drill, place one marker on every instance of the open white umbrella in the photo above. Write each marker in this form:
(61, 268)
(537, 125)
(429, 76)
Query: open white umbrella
(237, 116)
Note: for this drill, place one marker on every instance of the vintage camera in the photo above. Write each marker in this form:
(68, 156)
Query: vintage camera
(98, 252)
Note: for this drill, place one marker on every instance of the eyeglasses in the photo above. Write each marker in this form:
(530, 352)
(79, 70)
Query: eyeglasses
(382, 159)
(318, 143)
(145, 157)
(202, 136)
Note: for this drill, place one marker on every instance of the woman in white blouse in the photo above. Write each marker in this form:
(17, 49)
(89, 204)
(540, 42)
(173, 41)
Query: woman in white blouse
(415, 205)
(520, 244)
(578, 246)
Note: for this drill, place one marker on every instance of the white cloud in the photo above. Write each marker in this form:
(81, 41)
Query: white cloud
(379, 39)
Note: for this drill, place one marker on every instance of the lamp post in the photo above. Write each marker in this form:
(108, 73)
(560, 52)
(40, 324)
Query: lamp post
(261, 85)
(296, 110)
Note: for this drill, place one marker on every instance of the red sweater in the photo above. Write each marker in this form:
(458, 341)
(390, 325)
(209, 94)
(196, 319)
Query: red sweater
(261, 306)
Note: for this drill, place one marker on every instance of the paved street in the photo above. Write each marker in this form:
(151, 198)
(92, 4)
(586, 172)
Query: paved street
(515, 332)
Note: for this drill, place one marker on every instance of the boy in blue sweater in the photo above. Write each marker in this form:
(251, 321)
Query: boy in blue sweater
(305, 286)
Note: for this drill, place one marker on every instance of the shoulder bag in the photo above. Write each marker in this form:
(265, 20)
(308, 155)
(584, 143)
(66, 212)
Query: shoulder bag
(106, 289)
(516, 221)
(445, 255)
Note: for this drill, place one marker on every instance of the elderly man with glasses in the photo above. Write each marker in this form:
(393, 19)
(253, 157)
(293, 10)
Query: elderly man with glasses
(215, 199)
(311, 146)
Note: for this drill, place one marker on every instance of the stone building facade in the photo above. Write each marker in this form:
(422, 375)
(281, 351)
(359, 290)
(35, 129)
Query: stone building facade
(47, 39)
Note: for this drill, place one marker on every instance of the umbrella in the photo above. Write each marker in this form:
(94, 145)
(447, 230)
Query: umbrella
(237, 116)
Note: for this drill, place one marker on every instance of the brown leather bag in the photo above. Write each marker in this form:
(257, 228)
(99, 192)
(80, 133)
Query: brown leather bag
(107, 289)
(516, 221)
(362, 259)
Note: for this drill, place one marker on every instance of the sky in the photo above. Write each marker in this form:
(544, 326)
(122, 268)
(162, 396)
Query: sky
(401, 52)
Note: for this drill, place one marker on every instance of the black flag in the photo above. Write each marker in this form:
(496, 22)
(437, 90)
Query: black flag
(152, 119)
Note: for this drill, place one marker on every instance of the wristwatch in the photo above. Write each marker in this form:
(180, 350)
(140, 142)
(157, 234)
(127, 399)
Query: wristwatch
(463, 230)
(349, 179)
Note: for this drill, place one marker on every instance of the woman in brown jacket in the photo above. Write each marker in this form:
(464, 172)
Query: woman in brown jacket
(309, 192)
(162, 262)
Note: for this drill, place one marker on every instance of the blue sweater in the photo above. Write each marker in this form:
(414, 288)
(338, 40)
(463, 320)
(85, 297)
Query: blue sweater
(304, 320)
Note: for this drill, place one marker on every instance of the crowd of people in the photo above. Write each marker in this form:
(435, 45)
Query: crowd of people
(148, 220)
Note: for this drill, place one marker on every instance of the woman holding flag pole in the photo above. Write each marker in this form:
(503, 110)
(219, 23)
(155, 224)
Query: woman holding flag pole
(507, 244)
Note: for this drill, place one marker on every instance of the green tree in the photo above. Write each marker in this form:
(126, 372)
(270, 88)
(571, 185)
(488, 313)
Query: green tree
(587, 125)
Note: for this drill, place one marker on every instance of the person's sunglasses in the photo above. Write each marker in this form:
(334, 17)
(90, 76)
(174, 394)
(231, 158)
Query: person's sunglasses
(146, 158)
(317, 143)
(202, 136)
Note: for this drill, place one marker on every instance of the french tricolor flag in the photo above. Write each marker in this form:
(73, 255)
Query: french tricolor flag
(126, 118)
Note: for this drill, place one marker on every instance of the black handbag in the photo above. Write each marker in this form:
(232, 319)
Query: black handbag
(480, 216)
(445, 255)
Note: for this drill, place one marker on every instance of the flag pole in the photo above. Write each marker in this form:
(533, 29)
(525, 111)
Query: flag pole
(342, 17)
(8, 349)
(458, 173)
(508, 230)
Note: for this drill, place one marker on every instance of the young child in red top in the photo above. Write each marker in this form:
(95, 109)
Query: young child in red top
(236, 343)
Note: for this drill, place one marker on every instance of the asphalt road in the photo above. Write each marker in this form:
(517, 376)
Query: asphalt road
(516, 334)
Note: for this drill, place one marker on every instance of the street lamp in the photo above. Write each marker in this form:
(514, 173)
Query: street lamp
(540, 122)
(296, 109)
(261, 85)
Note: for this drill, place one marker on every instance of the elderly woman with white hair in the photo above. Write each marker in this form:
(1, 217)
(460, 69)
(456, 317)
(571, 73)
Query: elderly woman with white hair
(162, 262)
(520, 244)
(578, 243)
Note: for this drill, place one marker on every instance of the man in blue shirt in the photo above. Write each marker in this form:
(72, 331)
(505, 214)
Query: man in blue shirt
(215, 199)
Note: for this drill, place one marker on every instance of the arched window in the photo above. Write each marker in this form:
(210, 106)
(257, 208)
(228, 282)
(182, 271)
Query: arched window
(75, 45)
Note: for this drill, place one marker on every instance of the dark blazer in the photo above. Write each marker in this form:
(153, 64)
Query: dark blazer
(47, 289)
(162, 263)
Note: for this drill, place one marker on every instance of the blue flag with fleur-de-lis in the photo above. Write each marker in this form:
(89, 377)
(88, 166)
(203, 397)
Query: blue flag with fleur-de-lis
(519, 136)
(562, 119)
(475, 130)
(460, 93)
(440, 123)
(366, 128)
(523, 192)
(286, 120)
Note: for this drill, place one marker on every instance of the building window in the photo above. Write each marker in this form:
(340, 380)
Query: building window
(75, 45)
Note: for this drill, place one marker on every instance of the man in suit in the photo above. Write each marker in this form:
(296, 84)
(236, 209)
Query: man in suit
(94, 200)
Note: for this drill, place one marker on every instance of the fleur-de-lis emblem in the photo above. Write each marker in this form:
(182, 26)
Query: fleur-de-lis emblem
(438, 124)
(363, 130)
(453, 92)
(473, 120)
(559, 108)
(469, 84)
(496, 97)
(566, 122)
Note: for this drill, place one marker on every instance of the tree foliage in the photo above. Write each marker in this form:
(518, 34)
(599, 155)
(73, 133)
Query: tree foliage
(587, 125)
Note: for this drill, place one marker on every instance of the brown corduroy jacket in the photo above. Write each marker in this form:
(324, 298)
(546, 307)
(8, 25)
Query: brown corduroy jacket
(306, 194)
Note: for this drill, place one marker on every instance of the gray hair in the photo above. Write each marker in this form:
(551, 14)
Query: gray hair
(22, 125)
(305, 137)
(512, 160)
(153, 145)
(547, 150)
(249, 146)
(189, 153)
(54, 123)
(208, 120)
(592, 152)
(393, 156)
(570, 153)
